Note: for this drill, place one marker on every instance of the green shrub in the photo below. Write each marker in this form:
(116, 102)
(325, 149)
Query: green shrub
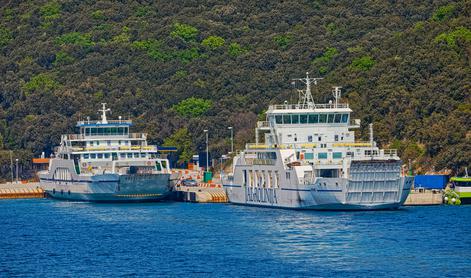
(193, 107)
(322, 61)
(283, 41)
(364, 63)
(181, 74)
(142, 11)
(460, 33)
(213, 42)
(235, 49)
(41, 82)
(98, 15)
(62, 58)
(50, 11)
(184, 31)
(327, 56)
(182, 140)
(75, 38)
(443, 12)
(5, 36)
(152, 47)
(187, 55)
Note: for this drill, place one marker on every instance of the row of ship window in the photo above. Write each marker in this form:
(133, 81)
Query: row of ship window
(108, 155)
(97, 143)
(335, 155)
(310, 118)
(92, 131)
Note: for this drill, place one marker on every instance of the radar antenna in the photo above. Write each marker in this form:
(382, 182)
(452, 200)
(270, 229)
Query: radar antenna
(337, 93)
(305, 96)
(103, 113)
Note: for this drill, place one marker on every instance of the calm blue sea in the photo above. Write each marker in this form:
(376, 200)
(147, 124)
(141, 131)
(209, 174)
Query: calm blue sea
(45, 238)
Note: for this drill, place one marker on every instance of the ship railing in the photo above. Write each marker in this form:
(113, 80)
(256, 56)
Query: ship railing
(256, 161)
(307, 106)
(352, 144)
(83, 136)
(261, 124)
(280, 146)
(108, 122)
(113, 148)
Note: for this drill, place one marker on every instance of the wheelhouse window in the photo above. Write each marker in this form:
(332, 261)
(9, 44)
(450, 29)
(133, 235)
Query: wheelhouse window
(322, 118)
(337, 118)
(303, 118)
(287, 119)
(295, 119)
(313, 118)
(344, 118)
(330, 118)
(278, 119)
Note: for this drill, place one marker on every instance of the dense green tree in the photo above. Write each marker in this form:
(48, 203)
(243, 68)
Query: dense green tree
(403, 67)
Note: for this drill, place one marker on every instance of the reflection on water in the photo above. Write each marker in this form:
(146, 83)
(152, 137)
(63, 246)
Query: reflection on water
(54, 238)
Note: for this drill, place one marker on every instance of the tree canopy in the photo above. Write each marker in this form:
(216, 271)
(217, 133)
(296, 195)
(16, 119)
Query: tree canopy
(210, 65)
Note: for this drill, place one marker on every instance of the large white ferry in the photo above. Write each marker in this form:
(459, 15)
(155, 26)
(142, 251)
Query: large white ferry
(310, 160)
(107, 163)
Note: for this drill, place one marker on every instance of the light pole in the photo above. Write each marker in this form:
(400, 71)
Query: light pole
(232, 139)
(16, 170)
(207, 150)
(11, 165)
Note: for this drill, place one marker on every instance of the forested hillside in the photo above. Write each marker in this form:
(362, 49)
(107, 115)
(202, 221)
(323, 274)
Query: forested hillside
(178, 67)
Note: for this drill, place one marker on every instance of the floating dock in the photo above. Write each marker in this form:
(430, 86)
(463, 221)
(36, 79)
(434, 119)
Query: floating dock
(21, 191)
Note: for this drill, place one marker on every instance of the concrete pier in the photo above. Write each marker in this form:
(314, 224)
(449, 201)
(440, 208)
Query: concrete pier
(21, 191)
(200, 194)
(424, 198)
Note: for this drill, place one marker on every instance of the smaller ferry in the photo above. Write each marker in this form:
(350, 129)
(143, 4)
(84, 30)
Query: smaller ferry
(462, 187)
(107, 163)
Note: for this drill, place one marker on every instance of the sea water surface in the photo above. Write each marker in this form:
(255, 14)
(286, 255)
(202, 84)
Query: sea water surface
(48, 238)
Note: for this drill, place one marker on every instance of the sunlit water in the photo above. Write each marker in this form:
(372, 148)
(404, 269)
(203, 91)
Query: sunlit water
(52, 238)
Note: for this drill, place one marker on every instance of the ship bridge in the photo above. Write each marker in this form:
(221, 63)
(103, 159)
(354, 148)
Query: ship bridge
(307, 121)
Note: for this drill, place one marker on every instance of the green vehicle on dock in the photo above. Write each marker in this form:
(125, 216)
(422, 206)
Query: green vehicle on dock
(462, 186)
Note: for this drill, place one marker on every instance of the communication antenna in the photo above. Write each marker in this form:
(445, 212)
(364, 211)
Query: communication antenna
(103, 113)
(305, 96)
(337, 93)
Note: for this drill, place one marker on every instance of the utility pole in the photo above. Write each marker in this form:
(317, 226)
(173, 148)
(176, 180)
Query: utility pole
(16, 170)
(232, 139)
(11, 165)
(207, 150)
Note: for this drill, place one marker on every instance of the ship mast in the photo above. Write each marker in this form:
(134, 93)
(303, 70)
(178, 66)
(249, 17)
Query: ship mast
(305, 96)
(103, 113)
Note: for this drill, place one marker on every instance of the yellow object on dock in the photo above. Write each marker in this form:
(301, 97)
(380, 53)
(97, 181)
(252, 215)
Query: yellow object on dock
(198, 194)
(21, 193)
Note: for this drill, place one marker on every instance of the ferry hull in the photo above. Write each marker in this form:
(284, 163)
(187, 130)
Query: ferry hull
(112, 188)
(326, 194)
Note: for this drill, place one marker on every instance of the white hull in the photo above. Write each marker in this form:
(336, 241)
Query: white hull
(336, 194)
(111, 187)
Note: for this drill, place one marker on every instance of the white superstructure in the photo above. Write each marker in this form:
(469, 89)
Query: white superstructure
(310, 160)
